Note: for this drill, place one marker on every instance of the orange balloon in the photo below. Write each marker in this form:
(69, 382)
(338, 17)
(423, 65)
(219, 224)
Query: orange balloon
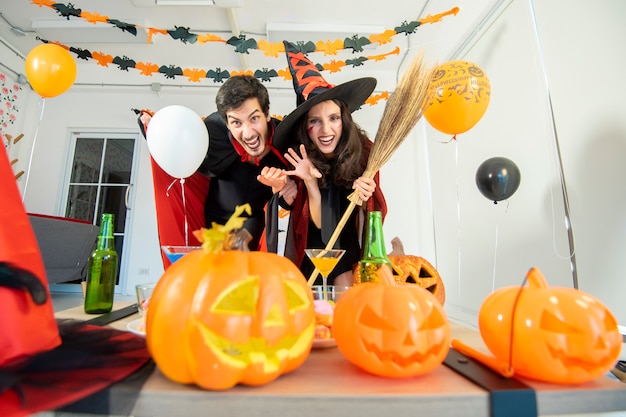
(50, 69)
(460, 93)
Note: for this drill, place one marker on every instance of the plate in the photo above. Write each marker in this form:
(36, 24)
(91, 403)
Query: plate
(323, 343)
(134, 326)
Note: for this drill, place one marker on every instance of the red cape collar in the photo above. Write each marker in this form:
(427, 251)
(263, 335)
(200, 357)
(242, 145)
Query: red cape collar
(245, 156)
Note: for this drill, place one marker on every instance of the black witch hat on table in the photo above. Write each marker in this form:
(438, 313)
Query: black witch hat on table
(311, 89)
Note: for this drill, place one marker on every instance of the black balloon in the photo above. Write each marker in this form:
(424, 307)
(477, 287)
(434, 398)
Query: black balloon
(498, 178)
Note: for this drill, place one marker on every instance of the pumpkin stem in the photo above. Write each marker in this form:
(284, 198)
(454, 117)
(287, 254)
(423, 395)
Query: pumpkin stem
(535, 278)
(218, 236)
(397, 248)
(385, 276)
(238, 240)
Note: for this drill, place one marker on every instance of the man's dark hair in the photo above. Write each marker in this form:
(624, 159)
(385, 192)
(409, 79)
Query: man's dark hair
(238, 89)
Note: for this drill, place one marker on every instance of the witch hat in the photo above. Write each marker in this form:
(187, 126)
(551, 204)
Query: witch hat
(311, 89)
(27, 320)
(46, 364)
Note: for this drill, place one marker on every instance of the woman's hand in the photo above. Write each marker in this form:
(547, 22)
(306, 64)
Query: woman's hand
(303, 167)
(365, 187)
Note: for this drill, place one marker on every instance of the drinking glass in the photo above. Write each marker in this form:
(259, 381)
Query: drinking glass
(174, 253)
(325, 260)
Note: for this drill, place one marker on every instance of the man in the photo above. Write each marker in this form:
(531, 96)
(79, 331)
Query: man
(241, 165)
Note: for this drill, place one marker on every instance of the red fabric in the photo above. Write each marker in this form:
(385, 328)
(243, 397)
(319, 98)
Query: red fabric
(300, 218)
(299, 222)
(171, 212)
(27, 328)
(91, 358)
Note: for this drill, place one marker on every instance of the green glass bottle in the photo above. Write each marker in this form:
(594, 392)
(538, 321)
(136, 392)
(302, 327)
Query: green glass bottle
(374, 253)
(102, 271)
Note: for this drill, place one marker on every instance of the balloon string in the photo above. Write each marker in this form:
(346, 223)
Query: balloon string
(182, 193)
(511, 336)
(167, 191)
(495, 256)
(32, 150)
(458, 214)
(495, 251)
(184, 201)
(448, 141)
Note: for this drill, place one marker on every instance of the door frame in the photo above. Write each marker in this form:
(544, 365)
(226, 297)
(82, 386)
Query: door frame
(73, 135)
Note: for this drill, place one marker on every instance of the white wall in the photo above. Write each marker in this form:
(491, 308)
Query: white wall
(43, 190)
(481, 246)
(435, 207)
(584, 71)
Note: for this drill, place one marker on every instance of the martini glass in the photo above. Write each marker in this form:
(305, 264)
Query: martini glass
(325, 260)
(174, 253)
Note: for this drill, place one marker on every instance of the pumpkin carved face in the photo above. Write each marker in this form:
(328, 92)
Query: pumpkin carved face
(391, 330)
(410, 269)
(560, 335)
(217, 320)
(417, 270)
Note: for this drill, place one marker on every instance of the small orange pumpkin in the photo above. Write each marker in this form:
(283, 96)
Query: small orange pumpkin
(219, 319)
(410, 269)
(559, 335)
(390, 329)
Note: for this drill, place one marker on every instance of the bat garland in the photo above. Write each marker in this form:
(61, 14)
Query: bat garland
(242, 44)
(218, 75)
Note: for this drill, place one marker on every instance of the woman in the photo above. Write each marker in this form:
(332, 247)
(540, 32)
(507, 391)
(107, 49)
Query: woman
(330, 163)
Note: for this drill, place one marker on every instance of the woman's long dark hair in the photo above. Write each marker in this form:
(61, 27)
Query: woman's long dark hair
(349, 159)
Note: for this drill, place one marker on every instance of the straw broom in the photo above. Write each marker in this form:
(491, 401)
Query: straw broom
(402, 112)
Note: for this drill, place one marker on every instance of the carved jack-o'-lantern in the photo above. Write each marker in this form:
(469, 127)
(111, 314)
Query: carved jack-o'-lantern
(560, 335)
(390, 329)
(412, 269)
(219, 319)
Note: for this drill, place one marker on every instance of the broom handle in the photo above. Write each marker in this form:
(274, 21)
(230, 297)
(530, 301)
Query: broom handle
(335, 236)
(354, 201)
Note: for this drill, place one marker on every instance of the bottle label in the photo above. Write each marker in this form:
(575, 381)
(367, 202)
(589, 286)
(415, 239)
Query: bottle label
(368, 269)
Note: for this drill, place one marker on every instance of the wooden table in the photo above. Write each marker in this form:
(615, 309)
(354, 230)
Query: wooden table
(328, 385)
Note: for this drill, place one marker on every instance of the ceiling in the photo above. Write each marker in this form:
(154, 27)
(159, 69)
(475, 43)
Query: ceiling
(23, 21)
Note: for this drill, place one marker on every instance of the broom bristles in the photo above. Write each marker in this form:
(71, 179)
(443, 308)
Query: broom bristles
(402, 112)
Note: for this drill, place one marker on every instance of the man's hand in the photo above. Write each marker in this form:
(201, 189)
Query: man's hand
(145, 120)
(289, 191)
(273, 177)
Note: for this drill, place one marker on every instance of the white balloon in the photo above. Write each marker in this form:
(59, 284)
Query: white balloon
(178, 140)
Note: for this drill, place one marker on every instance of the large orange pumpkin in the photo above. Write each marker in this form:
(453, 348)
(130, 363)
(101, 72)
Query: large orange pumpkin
(411, 269)
(219, 319)
(390, 329)
(559, 335)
